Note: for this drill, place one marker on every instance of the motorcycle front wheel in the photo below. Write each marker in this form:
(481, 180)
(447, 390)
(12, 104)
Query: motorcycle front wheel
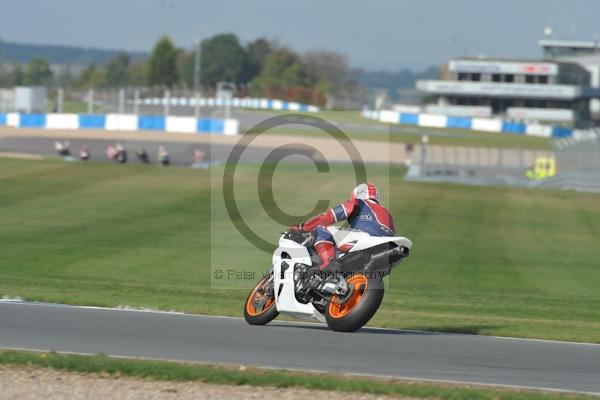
(260, 308)
(359, 308)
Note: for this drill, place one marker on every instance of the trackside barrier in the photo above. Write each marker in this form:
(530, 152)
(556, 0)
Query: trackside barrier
(32, 121)
(236, 102)
(122, 122)
(477, 124)
(92, 121)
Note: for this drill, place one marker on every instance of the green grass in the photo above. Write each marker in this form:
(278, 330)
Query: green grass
(170, 371)
(450, 138)
(354, 128)
(73, 106)
(486, 260)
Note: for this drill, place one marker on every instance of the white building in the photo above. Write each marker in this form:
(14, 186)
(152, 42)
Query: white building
(514, 89)
(30, 99)
(586, 54)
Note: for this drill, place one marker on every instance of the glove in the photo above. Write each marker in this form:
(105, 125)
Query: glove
(295, 229)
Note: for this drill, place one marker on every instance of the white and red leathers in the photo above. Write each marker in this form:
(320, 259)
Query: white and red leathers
(363, 212)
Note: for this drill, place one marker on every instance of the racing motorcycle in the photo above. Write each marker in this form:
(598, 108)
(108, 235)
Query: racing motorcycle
(346, 299)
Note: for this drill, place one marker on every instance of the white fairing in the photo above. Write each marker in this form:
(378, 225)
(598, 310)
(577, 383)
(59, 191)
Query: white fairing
(285, 297)
(291, 253)
(362, 240)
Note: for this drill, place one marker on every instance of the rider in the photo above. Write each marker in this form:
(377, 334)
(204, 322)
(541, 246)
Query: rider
(363, 212)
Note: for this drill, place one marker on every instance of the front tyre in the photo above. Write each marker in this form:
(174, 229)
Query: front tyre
(260, 306)
(359, 308)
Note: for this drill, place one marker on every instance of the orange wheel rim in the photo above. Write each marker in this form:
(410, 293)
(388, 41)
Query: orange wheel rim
(256, 297)
(360, 283)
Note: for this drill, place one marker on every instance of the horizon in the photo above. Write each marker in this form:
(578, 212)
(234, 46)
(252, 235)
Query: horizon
(458, 29)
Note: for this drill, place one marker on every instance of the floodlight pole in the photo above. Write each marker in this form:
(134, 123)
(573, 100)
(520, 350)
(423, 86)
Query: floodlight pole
(197, 78)
(90, 101)
(136, 101)
(60, 100)
(423, 158)
(121, 101)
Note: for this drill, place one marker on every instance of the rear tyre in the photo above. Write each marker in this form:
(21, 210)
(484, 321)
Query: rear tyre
(260, 308)
(359, 308)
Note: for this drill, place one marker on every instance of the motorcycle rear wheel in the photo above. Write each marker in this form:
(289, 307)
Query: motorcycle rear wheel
(359, 308)
(260, 308)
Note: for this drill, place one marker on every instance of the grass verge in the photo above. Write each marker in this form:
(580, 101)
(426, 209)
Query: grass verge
(486, 260)
(172, 371)
(360, 128)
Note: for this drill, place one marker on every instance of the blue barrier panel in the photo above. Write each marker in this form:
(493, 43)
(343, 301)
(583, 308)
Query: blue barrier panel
(152, 122)
(217, 126)
(285, 105)
(203, 126)
(559, 132)
(32, 121)
(514, 127)
(211, 126)
(411, 119)
(270, 104)
(92, 121)
(459, 122)
(3, 118)
(303, 107)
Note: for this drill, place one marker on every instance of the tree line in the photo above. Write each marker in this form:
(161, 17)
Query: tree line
(261, 68)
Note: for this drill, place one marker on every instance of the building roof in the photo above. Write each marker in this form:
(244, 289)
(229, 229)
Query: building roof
(572, 62)
(569, 43)
(506, 59)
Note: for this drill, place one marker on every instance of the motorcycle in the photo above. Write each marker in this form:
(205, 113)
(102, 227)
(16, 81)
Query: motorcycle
(345, 299)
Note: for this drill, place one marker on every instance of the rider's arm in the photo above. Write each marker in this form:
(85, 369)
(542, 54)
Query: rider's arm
(336, 214)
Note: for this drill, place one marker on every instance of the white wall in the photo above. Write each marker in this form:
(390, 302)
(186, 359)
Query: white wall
(121, 122)
(62, 121)
(487, 125)
(181, 124)
(232, 127)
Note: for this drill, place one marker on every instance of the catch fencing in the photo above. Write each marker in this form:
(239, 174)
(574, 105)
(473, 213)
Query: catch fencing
(578, 163)
(474, 165)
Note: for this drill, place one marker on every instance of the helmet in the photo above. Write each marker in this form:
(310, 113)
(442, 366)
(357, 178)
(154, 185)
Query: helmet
(366, 191)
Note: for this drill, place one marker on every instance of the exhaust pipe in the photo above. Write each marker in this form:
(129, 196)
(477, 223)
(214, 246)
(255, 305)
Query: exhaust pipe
(387, 258)
(404, 251)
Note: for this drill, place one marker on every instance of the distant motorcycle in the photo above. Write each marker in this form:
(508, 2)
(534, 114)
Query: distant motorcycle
(346, 300)
(117, 153)
(142, 155)
(84, 153)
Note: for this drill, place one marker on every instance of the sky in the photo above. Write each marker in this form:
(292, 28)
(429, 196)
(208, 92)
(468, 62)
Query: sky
(375, 34)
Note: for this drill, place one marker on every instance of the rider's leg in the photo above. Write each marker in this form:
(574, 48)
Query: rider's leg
(325, 246)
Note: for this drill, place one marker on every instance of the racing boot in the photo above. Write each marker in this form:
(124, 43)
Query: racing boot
(327, 279)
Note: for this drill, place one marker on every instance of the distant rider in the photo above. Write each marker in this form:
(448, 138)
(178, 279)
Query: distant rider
(163, 156)
(365, 216)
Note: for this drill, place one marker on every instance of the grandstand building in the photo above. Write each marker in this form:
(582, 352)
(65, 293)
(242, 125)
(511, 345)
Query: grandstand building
(586, 54)
(530, 91)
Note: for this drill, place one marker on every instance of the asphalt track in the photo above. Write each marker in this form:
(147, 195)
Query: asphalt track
(382, 352)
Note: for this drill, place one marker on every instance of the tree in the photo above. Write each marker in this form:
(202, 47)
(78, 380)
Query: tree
(256, 53)
(162, 66)
(38, 73)
(64, 76)
(329, 68)
(117, 71)
(17, 76)
(91, 77)
(222, 59)
(185, 68)
(137, 73)
(282, 70)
